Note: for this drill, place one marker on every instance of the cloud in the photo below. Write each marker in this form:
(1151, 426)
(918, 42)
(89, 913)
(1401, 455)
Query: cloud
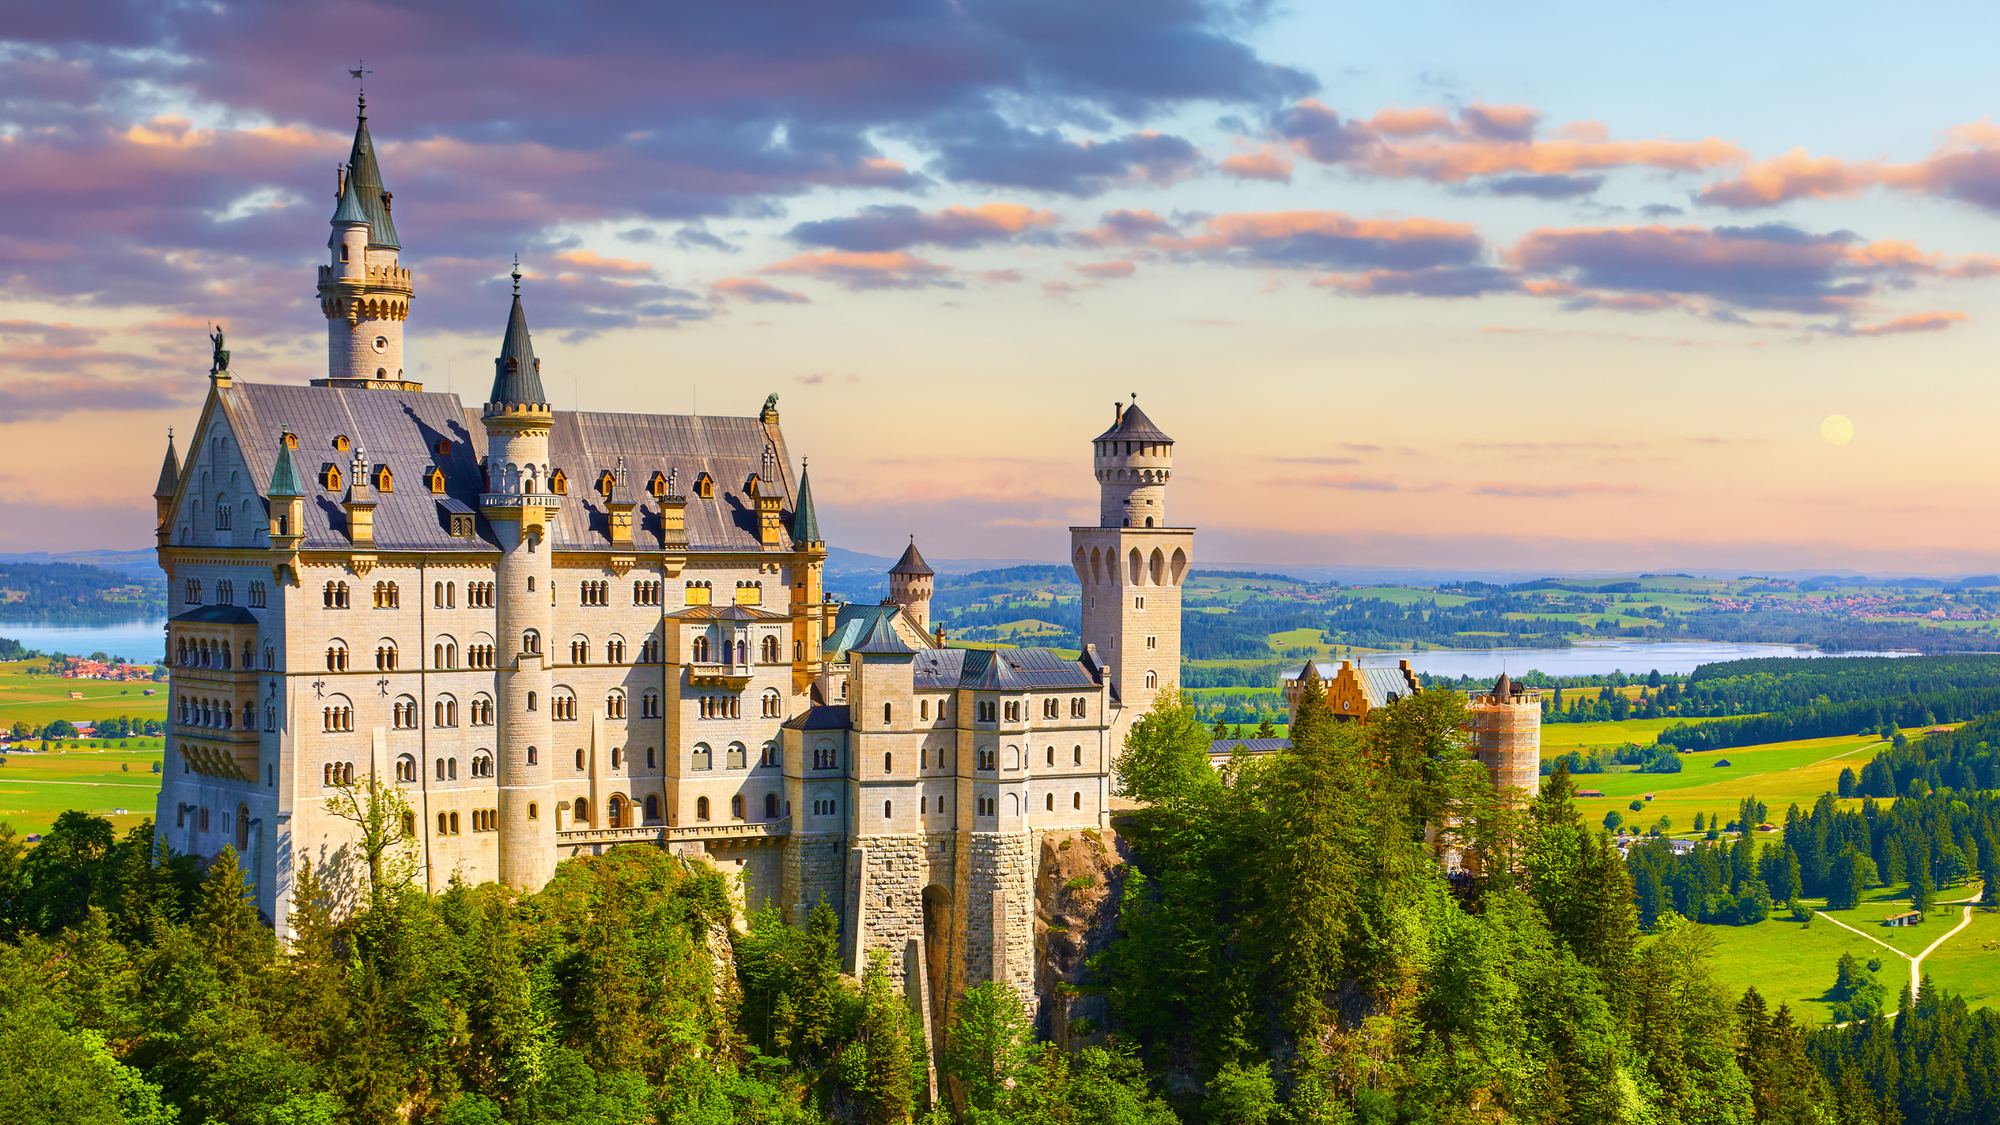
(1329, 240)
(1545, 187)
(695, 237)
(1483, 141)
(590, 263)
(1104, 271)
(1000, 275)
(1264, 164)
(39, 400)
(1123, 228)
(1965, 168)
(897, 227)
(1914, 322)
(1432, 281)
(759, 292)
(863, 271)
(1772, 266)
(1045, 160)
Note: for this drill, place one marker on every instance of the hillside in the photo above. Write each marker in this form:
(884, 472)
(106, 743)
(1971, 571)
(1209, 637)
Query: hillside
(76, 594)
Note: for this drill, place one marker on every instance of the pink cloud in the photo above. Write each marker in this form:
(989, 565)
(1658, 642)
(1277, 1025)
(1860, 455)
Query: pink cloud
(861, 271)
(759, 292)
(1123, 228)
(1914, 322)
(1264, 164)
(1966, 167)
(1105, 271)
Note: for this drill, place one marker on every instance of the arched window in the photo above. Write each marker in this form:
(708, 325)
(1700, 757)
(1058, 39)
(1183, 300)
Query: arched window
(482, 764)
(406, 768)
(534, 756)
(1052, 802)
(531, 642)
(701, 808)
(336, 657)
(649, 757)
(482, 710)
(738, 756)
(704, 758)
(770, 806)
(888, 762)
(887, 712)
(1152, 678)
(534, 811)
(649, 705)
(617, 757)
(614, 813)
(742, 652)
(579, 757)
(736, 807)
(701, 650)
(1076, 800)
(652, 808)
(773, 755)
(1076, 755)
(582, 813)
(770, 649)
(1052, 755)
(825, 757)
(614, 705)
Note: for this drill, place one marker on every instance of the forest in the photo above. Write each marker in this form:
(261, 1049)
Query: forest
(1288, 949)
(75, 593)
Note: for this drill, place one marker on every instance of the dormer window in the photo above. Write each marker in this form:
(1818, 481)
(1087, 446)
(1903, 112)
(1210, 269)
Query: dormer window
(559, 483)
(384, 480)
(704, 487)
(461, 526)
(436, 481)
(513, 365)
(657, 486)
(291, 440)
(340, 441)
(443, 448)
(605, 483)
(329, 477)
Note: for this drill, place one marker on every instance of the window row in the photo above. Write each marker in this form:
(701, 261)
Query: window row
(203, 652)
(738, 807)
(736, 756)
(225, 593)
(593, 591)
(219, 714)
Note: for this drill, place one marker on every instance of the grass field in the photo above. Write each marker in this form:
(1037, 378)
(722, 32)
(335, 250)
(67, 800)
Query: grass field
(1969, 963)
(1777, 773)
(36, 788)
(1794, 963)
(37, 700)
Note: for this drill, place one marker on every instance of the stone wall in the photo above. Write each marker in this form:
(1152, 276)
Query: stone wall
(813, 870)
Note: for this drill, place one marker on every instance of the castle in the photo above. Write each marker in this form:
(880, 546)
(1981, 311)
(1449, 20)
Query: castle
(548, 632)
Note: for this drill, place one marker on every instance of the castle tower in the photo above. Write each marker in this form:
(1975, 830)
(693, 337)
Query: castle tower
(363, 290)
(163, 492)
(521, 512)
(1132, 565)
(910, 582)
(1504, 729)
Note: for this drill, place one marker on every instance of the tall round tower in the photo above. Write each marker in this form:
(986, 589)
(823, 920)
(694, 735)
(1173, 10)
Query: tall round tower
(364, 291)
(1134, 460)
(1504, 729)
(910, 583)
(521, 512)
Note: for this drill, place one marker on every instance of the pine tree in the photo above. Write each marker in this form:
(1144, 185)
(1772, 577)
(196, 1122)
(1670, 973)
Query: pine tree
(226, 923)
(1311, 868)
(887, 1086)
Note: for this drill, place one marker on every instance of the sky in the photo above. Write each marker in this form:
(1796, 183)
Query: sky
(1553, 286)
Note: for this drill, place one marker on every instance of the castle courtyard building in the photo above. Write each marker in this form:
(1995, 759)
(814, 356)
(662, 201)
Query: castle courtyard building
(549, 632)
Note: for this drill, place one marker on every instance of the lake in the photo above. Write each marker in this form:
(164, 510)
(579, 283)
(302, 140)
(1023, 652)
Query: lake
(1591, 658)
(141, 641)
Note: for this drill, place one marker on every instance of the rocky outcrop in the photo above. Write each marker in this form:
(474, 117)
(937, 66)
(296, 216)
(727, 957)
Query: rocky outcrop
(1079, 880)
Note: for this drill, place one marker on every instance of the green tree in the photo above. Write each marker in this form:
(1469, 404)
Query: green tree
(988, 1045)
(887, 1089)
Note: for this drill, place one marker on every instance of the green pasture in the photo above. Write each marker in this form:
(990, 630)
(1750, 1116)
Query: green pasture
(1968, 964)
(1794, 963)
(37, 700)
(1560, 738)
(1777, 773)
(36, 788)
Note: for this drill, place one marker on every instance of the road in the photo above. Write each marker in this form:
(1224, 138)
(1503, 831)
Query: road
(1917, 962)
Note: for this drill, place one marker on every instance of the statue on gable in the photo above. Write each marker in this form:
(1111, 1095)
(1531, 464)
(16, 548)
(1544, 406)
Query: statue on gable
(771, 403)
(221, 358)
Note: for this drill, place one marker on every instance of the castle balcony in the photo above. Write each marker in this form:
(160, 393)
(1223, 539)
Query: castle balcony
(374, 277)
(548, 501)
(735, 677)
(663, 835)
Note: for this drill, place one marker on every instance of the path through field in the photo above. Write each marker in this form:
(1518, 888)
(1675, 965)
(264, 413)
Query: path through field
(1917, 962)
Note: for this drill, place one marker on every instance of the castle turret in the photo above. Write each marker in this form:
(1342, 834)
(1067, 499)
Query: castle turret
(288, 500)
(521, 512)
(163, 492)
(910, 583)
(1504, 731)
(363, 290)
(359, 503)
(1132, 565)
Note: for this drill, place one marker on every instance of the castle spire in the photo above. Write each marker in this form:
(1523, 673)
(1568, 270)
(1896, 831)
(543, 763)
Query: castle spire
(365, 176)
(517, 374)
(170, 472)
(284, 477)
(805, 521)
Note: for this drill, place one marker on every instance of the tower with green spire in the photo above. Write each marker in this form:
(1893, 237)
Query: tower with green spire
(364, 291)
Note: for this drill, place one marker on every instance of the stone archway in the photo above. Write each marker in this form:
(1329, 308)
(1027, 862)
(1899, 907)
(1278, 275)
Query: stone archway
(938, 945)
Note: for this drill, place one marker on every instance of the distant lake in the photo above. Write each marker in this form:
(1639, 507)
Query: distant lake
(141, 642)
(1591, 658)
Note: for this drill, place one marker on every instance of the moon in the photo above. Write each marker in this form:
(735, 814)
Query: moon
(1837, 430)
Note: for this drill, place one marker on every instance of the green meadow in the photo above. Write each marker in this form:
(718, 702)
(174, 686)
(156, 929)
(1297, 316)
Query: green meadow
(39, 699)
(36, 788)
(1793, 963)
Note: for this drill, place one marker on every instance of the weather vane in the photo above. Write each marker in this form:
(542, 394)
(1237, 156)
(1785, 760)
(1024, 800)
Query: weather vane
(355, 72)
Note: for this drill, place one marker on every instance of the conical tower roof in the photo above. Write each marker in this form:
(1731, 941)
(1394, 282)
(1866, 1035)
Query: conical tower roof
(911, 562)
(805, 521)
(517, 376)
(170, 472)
(284, 477)
(365, 177)
(1133, 425)
(349, 209)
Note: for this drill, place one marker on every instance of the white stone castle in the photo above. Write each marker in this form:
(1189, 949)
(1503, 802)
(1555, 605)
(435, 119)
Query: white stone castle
(549, 632)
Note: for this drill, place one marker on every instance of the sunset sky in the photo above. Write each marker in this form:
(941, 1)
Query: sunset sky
(1556, 287)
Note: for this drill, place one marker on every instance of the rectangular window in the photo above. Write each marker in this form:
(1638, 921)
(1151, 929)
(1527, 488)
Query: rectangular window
(1138, 601)
(1152, 642)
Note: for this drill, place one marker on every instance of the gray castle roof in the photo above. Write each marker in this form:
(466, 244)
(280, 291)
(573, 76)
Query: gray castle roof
(912, 562)
(1133, 425)
(402, 429)
(1223, 747)
(1005, 669)
(883, 640)
(805, 519)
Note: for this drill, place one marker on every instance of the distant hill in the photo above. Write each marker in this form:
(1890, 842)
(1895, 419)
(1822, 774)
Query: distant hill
(139, 564)
(77, 594)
